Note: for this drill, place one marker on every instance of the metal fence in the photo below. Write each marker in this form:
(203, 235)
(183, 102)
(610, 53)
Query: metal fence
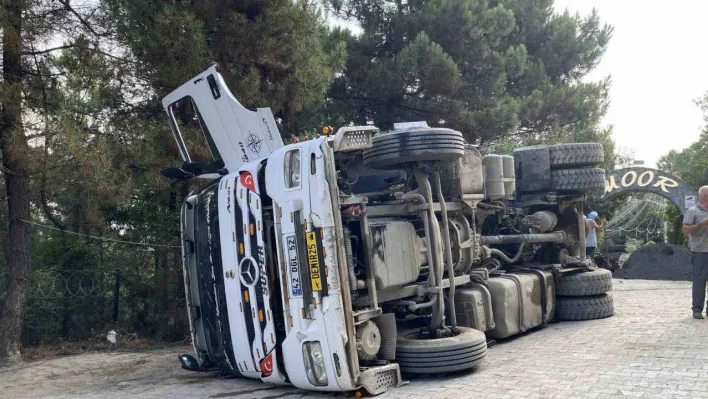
(75, 304)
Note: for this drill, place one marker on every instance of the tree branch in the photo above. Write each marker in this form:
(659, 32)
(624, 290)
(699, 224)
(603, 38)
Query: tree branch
(81, 19)
(115, 57)
(45, 205)
(49, 50)
(44, 14)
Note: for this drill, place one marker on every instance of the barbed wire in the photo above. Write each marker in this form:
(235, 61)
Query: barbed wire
(55, 284)
(65, 284)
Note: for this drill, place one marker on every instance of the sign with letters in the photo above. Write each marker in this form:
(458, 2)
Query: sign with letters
(647, 178)
(641, 179)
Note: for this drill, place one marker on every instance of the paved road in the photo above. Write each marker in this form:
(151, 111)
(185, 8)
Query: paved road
(651, 348)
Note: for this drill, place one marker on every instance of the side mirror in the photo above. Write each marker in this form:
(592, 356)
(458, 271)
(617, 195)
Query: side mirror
(176, 173)
(195, 168)
(188, 362)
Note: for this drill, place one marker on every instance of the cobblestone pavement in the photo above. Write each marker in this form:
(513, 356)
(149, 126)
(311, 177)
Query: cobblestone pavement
(651, 348)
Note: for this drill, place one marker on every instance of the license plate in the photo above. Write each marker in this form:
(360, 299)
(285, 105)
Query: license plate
(293, 267)
(313, 259)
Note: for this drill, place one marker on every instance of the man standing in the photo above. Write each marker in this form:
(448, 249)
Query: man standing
(591, 239)
(695, 225)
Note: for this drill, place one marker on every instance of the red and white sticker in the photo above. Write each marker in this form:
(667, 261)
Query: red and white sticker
(267, 365)
(247, 181)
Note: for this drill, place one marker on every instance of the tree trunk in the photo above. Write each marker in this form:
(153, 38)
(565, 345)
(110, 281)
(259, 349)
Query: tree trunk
(13, 145)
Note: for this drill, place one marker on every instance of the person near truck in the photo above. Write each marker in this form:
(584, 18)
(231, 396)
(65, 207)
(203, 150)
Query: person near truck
(695, 226)
(591, 236)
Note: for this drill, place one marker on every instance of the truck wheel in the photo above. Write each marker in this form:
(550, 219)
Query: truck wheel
(576, 155)
(596, 282)
(582, 180)
(417, 355)
(574, 308)
(392, 149)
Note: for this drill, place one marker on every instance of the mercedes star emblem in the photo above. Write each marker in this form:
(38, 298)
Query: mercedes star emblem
(249, 272)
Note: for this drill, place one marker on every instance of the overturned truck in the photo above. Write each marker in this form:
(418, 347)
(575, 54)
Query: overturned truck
(345, 261)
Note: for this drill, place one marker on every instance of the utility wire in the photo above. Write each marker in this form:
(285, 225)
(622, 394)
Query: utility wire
(100, 238)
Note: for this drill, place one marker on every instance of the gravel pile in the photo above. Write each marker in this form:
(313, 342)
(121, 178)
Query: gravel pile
(658, 262)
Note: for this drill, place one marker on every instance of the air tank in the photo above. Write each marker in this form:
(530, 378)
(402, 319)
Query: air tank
(493, 177)
(509, 177)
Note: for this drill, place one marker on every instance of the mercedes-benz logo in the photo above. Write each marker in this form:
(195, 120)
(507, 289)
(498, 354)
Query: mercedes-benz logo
(248, 272)
(254, 143)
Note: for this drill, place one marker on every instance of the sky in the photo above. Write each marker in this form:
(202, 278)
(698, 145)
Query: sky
(658, 62)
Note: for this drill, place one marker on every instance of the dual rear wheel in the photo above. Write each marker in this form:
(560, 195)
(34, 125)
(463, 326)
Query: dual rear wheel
(584, 296)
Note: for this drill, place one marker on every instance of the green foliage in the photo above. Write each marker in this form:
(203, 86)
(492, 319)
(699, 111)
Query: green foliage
(272, 53)
(98, 139)
(691, 165)
(674, 220)
(486, 68)
(633, 244)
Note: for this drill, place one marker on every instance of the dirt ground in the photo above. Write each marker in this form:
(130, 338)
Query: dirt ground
(651, 348)
(143, 374)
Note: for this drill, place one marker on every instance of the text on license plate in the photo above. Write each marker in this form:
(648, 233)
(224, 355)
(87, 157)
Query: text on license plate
(313, 259)
(293, 266)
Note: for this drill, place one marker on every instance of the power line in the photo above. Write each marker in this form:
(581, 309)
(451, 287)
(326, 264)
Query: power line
(100, 238)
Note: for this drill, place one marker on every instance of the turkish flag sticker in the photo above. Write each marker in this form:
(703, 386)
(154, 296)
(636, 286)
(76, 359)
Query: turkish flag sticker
(247, 181)
(267, 365)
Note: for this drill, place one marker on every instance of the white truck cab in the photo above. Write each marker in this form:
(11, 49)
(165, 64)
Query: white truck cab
(336, 263)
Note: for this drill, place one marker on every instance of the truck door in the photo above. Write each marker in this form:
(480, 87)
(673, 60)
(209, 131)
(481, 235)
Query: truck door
(231, 133)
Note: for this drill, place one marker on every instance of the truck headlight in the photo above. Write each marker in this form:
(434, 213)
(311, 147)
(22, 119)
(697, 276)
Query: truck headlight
(314, 363)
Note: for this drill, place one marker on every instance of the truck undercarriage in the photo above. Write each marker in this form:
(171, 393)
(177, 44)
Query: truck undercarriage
(340, 262)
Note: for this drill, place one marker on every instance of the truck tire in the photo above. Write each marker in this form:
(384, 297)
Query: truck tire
(390, 150)
(576, 155)
(575, 308)
(582, 180)
(596, 282)
(440, 355)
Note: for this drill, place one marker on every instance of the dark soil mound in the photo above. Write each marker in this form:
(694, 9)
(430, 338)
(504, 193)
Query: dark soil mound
(658, 262)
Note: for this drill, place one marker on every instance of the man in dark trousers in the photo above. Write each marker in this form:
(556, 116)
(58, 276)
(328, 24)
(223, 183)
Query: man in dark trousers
(695, 225)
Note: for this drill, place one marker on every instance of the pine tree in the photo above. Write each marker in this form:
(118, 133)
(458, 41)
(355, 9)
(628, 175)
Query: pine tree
(486, 68)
